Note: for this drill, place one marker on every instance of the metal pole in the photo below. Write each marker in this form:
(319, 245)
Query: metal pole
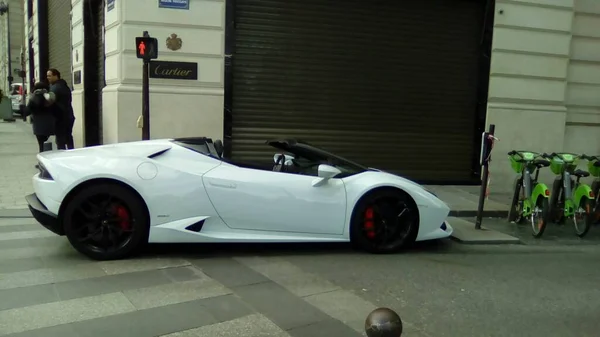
(146, 96)
(484, 180)
(23, 74)
(146, 101)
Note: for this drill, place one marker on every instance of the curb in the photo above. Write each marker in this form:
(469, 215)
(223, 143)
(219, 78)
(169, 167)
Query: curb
(473, 213)
(517, 241)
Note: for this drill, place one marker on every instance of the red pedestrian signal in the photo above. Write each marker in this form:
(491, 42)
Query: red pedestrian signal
(146, 48)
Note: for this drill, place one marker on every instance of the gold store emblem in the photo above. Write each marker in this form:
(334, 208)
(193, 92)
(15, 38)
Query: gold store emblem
(174, 42)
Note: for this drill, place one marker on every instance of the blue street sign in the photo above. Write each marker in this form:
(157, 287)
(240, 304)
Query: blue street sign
(110, 5)
(174, 4)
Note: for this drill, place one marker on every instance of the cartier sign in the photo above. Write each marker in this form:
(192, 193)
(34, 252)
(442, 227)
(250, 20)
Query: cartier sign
(174, 70)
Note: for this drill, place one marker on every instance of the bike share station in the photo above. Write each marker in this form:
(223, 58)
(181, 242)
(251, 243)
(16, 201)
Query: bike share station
(569, 201)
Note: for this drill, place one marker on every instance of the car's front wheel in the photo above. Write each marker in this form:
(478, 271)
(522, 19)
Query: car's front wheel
(384, 221)
(106, 222)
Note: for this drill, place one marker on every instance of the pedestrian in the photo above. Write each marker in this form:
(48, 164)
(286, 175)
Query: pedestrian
(40, 109)
(63, 110)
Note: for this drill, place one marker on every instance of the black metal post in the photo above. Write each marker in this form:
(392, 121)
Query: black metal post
(146, 96)
(383, 322)
(146, 100)
(486, 150)
(23, 73)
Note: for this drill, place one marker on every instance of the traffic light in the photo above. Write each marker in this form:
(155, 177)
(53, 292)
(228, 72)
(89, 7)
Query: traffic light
(146, 48)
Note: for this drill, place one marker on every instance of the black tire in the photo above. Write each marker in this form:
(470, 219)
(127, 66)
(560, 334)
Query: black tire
(583, 226)
(388, 199)
(556, 211)
(137, 218)
(537, 229)
(513, 212)
(596, 190)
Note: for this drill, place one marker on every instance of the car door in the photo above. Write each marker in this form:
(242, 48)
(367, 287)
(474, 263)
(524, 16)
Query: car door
(253, 199)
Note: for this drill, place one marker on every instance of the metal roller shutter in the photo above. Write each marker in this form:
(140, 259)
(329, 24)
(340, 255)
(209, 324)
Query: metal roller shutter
(59, 36)
(390, 84)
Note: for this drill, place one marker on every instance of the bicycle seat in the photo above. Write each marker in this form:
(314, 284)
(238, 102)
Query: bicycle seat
(581, 174)
(541, 162)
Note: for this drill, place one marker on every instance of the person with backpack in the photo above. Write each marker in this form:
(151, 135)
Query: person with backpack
(42, 114)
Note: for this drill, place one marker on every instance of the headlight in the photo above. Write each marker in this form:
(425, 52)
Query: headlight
(44, 174)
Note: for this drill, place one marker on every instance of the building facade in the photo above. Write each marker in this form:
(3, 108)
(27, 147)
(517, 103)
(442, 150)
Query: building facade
(14, 20)
(405, 86)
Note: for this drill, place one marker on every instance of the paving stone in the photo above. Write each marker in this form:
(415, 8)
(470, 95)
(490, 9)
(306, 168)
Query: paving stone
(56, 313)
(255, 325)
(229, 272)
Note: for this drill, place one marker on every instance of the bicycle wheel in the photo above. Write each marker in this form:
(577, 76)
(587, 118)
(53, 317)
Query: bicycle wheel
(557, 201)
(516, 206)
(583, 217)
(596, 190)
(539, 217)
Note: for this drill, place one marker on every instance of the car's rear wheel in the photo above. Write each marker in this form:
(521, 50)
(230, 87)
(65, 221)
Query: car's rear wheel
(384, 221)
(106, 222)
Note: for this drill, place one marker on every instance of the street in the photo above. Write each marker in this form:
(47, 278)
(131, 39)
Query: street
(439, 289)
(545, 287)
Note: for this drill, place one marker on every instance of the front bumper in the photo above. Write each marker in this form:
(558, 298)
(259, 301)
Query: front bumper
(43, 215)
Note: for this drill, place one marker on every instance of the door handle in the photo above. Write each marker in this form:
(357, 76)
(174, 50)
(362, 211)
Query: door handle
(224, 185)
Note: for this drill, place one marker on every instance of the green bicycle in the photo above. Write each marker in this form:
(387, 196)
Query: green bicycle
(594, 169)
(530, 199)
(570, 199)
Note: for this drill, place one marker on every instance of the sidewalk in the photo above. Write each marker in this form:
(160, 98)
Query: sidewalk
(18, 150)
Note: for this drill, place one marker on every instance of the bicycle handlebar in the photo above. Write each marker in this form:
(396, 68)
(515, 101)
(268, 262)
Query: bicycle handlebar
(590, 158)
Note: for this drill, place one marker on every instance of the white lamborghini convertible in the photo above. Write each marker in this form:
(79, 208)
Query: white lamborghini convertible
(110, 200)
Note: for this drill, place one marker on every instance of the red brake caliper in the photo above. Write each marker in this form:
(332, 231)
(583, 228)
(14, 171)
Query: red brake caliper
(124, 217)
(369, 223)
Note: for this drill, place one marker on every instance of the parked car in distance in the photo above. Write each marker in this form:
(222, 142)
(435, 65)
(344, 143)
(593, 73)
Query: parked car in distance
(16, 96)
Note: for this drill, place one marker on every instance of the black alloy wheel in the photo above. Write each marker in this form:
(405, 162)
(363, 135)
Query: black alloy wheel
(106, 222)
(385, 221)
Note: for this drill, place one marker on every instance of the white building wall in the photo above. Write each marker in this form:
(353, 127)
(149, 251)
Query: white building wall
(544, 78)
(17, 41)
(77, 41)
(32, 25)
(177, 107)
(582, 133)
(536, 99)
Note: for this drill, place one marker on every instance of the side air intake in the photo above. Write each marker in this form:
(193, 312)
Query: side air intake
(197, 227)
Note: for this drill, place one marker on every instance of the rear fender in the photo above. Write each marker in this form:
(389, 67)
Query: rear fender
(583, 191)
(540, 190)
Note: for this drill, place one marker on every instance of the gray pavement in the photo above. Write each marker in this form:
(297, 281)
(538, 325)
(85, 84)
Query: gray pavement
(18, 148)
(440, 289)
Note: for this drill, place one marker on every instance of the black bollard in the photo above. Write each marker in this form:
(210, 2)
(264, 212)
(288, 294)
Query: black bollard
(383, 322)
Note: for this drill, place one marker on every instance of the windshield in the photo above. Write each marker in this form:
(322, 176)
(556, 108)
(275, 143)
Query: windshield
(311, 156)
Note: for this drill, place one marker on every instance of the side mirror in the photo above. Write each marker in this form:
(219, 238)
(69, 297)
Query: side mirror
(326, 172)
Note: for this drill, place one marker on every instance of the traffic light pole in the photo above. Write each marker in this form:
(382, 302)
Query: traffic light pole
(146, 49)
(146, 100)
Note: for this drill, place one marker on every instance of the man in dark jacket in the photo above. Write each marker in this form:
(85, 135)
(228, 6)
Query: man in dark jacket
(63, 110)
